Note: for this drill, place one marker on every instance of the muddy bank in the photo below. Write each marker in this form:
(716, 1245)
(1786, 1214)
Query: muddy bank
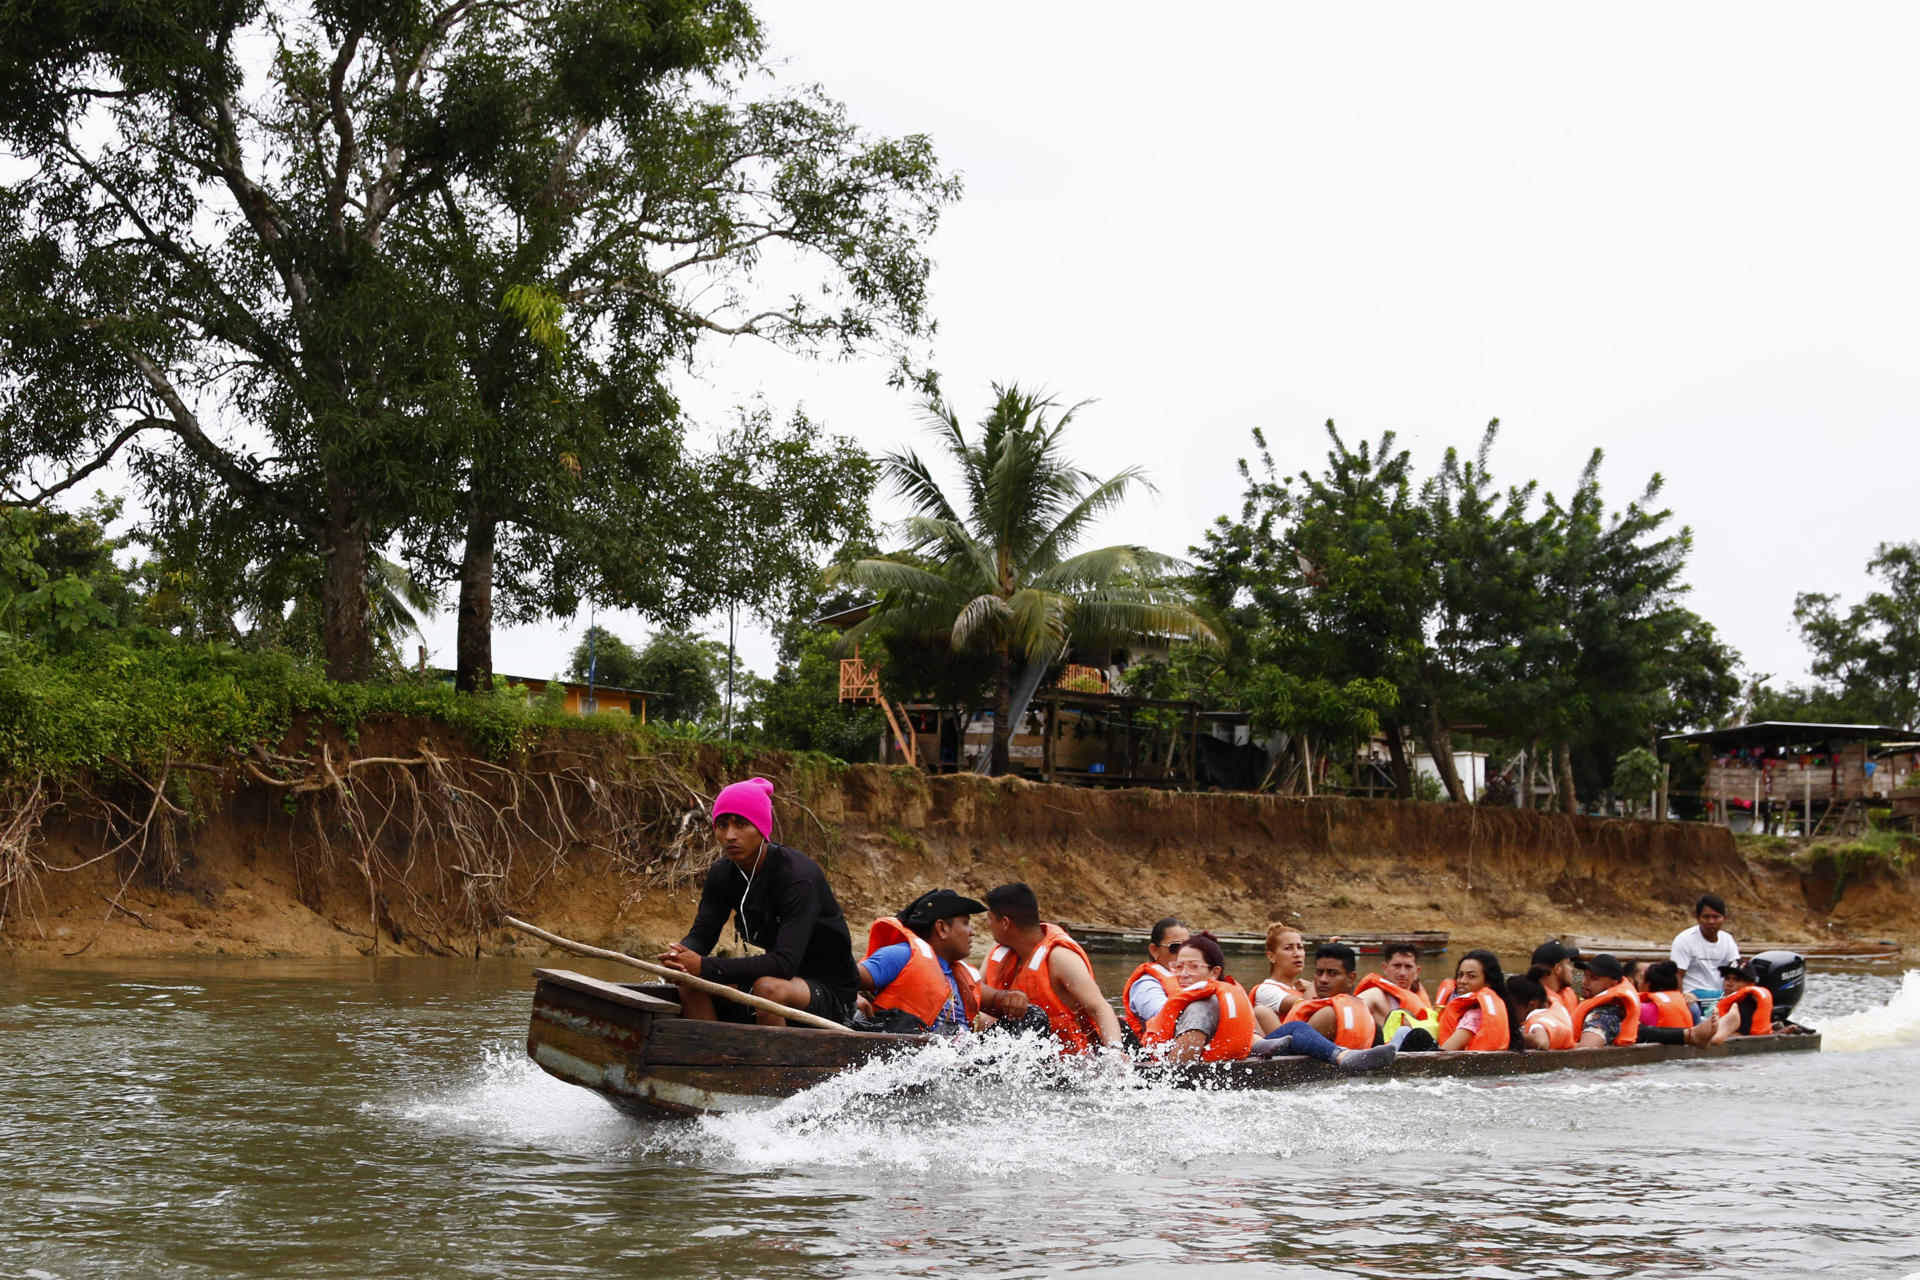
(404, 841)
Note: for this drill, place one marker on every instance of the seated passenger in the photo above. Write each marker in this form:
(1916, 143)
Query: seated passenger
(1043, 962)
(1667, 1013)
(1553, 969)
(1478, 1016)
(1209, 1017)
(916, 971)
(1610, 1013)
(1283, 987)
(1544, 1021)
(1747, 1007)
(1335, 1012)
(1394, 996)
(1148, 986)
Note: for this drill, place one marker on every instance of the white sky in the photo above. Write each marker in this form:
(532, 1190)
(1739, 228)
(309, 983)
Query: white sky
(1683, 233)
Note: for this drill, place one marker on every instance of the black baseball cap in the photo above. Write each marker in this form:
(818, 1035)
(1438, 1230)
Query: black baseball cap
(1603, 964)
(936, 905)
(1553, 951)
(1741, 969)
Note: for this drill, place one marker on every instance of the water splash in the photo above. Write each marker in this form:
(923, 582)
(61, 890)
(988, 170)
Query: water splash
(1001, 1105)
(1894, 1023)
(508, 1098)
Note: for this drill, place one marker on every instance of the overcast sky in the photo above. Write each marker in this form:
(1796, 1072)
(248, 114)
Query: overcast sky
(1685, 234)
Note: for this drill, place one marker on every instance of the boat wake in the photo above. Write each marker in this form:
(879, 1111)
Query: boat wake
(1896, 1022)
(508, 1099)
(1002, 1105)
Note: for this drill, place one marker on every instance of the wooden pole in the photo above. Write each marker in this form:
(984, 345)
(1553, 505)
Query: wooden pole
(1666, 784)
(1806, 801)
(720, 989)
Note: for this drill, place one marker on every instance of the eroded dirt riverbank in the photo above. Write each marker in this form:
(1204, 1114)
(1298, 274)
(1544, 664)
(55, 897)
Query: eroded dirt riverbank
(420, 850)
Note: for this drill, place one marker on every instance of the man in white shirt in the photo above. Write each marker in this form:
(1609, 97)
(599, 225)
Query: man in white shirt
(1700, 951)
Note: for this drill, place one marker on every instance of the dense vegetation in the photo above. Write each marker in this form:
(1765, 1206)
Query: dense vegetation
(389, 320)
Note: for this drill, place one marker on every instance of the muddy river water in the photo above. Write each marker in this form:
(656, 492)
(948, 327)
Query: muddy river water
(379, 1118)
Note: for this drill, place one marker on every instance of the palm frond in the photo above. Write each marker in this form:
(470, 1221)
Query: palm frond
(891, 576)
(914, 481)
(1039, 624)
(1104, 497)
(980, 622)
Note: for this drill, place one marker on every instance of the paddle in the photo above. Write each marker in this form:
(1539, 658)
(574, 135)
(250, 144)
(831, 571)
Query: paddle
(720, 989)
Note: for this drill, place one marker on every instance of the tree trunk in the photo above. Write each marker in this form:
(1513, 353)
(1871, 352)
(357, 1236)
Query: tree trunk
(1402, 769)
(1563, 765)
(1440, 747)
(473, 640)
(346, 627)
(1002, 759)
(1528, 772)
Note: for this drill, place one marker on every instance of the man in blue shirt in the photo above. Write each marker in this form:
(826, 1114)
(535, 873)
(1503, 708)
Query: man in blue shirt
(924, 982)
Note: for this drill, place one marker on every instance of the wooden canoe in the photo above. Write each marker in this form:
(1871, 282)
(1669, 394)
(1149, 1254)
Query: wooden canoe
(633, 1048)
(1103, 937)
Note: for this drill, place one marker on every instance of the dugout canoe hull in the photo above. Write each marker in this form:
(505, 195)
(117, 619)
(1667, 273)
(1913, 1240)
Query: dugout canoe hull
(632, 1048)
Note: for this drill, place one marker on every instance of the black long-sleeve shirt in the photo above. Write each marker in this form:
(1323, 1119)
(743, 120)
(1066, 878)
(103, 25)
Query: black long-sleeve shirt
(789, 910)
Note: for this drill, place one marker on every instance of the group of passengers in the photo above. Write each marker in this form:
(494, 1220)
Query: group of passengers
(1180, 1004)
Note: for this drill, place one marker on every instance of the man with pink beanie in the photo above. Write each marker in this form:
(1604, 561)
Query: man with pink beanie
(781, 904)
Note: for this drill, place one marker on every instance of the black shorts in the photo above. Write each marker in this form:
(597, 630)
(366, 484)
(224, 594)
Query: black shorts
(836, 1004)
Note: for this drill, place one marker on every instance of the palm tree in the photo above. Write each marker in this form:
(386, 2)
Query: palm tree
(1001, 578)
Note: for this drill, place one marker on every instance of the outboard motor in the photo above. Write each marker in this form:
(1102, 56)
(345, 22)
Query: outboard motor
(1785, 974)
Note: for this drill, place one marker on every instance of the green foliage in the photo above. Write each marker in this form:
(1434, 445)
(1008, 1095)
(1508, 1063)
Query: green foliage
(687, 671)
(606, 659)
(995, 572)
(801, 708)
(1866, 660)
(140, 698)
(370, 235)
(1544, 620)
(1427, 789)
(1635, 775)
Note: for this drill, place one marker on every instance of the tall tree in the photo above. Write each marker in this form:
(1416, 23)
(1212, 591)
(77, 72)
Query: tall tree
(995, 571)
(1867, 659)
(1338, 570)
(325, 302)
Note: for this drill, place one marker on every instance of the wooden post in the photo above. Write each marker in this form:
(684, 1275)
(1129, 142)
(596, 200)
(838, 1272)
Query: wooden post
(1806, 802)
(1193, 747)
(1751, 822)
(1660, 797)
(1047, 737)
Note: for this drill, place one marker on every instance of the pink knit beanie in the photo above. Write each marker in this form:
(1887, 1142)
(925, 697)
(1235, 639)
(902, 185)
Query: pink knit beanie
(752, 800)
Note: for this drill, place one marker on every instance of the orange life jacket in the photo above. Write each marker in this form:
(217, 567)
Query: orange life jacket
(1557, 1018)
(1629, 1010)
(1414, 1001)
(1147, 970)
(1762, 1024)
(1076, 1032)
(1567, 1000)
(1353, 1021)
(1494, 1034)
(1444, 994)
(921, 988)
(1230, 1040)
(1674, 1007)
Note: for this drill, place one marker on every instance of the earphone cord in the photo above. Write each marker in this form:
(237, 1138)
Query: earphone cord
(740, 916)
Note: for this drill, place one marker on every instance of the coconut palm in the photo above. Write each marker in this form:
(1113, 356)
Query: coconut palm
(997, 572)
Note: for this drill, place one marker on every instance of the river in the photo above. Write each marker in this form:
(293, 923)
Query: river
(379, 1118)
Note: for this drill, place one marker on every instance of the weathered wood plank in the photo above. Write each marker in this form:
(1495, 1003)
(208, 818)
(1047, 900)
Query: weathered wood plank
(620, 993)
(684, 1040)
